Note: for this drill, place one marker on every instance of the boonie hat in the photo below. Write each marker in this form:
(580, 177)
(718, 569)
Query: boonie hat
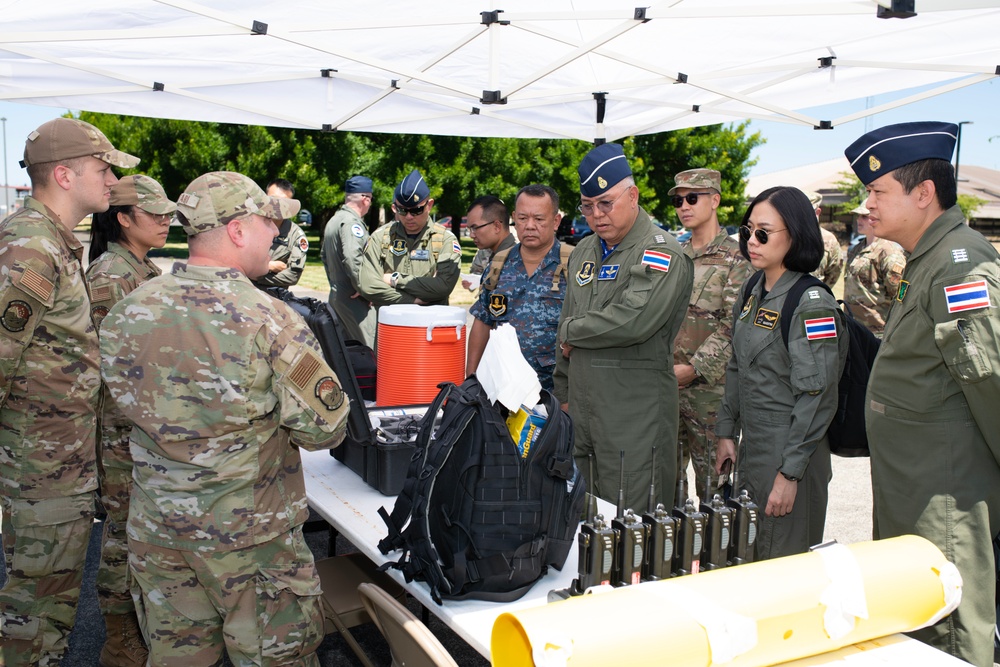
(358, 184)
(698, 179)
(887, 148)
(143, 192)
(602, 168)
(861, 210)
(216, 198)
(411, 190)
(67, 138)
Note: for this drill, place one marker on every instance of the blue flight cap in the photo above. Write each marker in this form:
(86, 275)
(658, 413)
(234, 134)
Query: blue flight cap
(602, 168)
(887, 148)
(412, 190)
(355, 184)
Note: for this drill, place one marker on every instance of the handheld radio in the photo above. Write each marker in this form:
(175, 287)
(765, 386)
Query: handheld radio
(631, 533)
(661, 534)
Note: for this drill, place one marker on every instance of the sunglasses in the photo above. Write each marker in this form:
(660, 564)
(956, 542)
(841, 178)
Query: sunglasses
(760, 234)
(691, 197)
(413, 212)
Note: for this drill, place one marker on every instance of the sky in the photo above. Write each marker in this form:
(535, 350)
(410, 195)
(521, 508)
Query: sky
(787, 146)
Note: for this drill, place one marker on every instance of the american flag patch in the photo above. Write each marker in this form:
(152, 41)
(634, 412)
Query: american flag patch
(655, 259)
(821, 327)
(967, 296)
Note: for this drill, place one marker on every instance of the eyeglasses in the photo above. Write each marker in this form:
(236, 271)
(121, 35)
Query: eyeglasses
(472, 228)
(691, 198)
(158, 218)
(761, 234)
(413, 212)
(604, 205)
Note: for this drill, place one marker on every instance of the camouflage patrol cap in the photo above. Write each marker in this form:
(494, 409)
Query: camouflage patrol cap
(67, 138)
(219, 197)
(698, 179)
(142, 192)
(861, 209)
(815, 198)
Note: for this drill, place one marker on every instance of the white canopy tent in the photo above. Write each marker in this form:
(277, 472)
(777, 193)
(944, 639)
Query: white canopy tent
(583, 69)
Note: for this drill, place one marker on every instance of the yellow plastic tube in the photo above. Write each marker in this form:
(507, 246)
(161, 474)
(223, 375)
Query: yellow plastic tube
(754, 614)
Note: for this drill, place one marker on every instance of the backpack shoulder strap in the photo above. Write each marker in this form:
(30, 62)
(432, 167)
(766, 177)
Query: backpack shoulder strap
(748, 286)
(792, 299)
(565, 250)
(496, 266)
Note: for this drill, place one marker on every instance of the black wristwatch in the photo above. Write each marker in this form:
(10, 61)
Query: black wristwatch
(790, 478)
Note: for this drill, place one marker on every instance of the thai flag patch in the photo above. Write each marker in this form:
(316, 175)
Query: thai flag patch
(655, 259)
(821, 327)
(967, 296)
(457, 248)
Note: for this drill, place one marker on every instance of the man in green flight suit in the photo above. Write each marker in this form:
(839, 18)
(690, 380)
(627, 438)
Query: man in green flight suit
(931, 412)
(344, 242)
(627, 294)
(411, 260)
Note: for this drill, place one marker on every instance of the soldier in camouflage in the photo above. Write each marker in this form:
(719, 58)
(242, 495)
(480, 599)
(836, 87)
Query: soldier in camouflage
(344, 240)
(832, 264)
(137, 221)
(704, 343)
(49, 386)
(411, 260)
(224, 384)
(289, 248)
(528, 293)
(873, 276)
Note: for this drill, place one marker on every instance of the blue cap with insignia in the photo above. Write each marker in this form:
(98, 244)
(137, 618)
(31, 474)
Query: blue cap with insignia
(356, 184)
(412, 190)
(602, 168)
(887, 148)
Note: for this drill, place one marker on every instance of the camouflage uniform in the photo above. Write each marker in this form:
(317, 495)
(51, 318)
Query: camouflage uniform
(111, 276)
(705, 342)
(872, 282)
(49, 386)
(530, 305)
(344, 241)
(429, 265)
(290, 246)
(224, 384)
(832, 263)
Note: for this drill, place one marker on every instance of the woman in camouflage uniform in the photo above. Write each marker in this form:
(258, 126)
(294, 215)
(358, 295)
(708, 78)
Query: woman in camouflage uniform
(137, 221)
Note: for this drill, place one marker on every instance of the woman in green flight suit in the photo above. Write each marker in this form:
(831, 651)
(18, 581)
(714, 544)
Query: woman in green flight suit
(783, 398)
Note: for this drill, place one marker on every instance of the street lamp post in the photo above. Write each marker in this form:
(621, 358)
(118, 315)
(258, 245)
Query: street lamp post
(958, 144)
(6, 181)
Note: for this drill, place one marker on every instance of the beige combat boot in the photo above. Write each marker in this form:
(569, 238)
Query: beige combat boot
(124, 646)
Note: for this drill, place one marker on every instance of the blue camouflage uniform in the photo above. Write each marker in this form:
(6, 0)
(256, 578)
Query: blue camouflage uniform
(530, 305)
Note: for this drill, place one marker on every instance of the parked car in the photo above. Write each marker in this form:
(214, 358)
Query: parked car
(571, 231)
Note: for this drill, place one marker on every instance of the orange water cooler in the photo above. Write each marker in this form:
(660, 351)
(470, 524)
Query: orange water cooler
(418, 347)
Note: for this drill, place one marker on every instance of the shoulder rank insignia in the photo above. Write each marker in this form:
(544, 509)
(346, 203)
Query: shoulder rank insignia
(902, 290)
(586, 273)
(609, 272)
(959, 255)
(766, 319)
(747, 307)
(818, 328)
(498, 305)
(967, 296)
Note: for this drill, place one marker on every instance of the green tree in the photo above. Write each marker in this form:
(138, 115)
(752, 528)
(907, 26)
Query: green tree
(969, 205)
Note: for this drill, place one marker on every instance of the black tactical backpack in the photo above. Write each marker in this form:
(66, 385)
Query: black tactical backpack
(847, 435)
(475, 519)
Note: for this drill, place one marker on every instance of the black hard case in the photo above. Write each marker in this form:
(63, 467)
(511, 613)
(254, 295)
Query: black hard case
(383, 465)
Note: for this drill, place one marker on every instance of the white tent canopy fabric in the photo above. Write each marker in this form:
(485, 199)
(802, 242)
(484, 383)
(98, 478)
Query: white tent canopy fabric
(514, 68)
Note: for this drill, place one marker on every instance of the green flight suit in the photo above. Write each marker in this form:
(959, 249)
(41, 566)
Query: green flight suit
(933, 419)
(784, 399)
(344, 240)
(621, 315)
(428, 265)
